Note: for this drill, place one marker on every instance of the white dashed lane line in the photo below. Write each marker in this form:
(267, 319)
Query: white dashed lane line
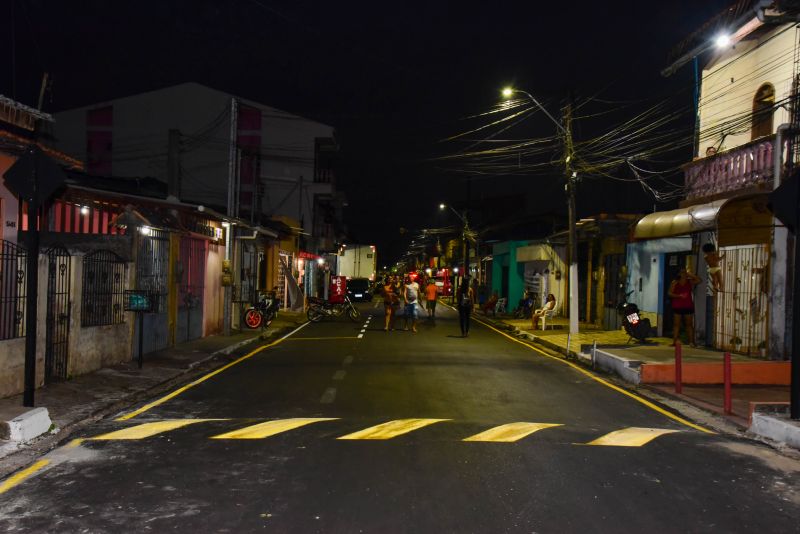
(348, 360)
(339, 375)
(329, 396)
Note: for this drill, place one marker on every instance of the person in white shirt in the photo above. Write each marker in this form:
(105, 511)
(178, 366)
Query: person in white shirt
(410, 296)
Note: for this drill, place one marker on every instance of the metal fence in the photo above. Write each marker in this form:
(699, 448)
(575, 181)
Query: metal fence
(102, 297)
(12, 290)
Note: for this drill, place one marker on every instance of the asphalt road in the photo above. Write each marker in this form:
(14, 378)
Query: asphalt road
(390, 432)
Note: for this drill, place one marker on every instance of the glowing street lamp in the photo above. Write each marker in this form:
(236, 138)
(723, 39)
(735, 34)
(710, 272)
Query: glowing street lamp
(722, 40)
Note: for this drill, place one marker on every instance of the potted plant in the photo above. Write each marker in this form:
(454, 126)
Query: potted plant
(736, 341)
(762, 349)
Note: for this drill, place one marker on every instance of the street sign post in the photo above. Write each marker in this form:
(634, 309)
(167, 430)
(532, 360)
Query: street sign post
(140, 302)
(33, 178)
(785, 204)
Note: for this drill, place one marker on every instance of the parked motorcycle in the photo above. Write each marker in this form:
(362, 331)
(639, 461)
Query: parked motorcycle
(264, 312)
(636, 327)
(319, 308)
(525, 309)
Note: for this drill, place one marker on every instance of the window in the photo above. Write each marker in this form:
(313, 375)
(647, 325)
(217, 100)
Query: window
(763, 108)
(12, 290)
(103, 289)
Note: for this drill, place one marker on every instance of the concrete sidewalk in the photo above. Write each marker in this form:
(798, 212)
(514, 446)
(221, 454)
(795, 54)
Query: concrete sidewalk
(88, 397)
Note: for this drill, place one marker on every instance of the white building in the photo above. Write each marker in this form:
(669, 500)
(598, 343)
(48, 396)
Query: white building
(183, 135)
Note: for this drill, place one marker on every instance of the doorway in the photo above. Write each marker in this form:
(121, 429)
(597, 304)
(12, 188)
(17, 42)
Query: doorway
(673, 263)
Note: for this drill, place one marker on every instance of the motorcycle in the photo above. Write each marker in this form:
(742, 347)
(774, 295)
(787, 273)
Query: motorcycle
(636, 327)
(263, 313)
(525, 309)
(319, 308)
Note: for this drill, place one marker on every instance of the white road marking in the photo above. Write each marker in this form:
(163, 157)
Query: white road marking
(363, 330)
(328, 396)
(339, 375)
(348, 360)
(360, 336)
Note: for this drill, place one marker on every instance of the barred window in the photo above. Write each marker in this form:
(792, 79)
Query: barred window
(103, 289)
(12, 290)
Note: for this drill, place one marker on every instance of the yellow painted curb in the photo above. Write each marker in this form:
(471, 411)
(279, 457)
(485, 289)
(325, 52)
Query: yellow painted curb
(203, 378)
(15, 479)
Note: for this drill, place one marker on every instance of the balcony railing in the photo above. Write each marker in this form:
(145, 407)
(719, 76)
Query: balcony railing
(748, 166)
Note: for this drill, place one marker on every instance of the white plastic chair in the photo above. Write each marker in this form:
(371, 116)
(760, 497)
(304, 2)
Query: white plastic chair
(500, 307)
(548, 314)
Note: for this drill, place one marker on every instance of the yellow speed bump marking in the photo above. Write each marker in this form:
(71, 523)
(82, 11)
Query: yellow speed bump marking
(510, 433)
(609, 385)
(270, 428)
(145, 430)
(630, 437)
(392, 429)
(15, 479)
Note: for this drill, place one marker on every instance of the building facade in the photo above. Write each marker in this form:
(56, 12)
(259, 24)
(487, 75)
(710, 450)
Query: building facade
(746, 109)
(211, 148)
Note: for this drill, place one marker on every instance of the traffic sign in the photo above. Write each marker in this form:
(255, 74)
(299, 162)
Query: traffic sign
(34, 176)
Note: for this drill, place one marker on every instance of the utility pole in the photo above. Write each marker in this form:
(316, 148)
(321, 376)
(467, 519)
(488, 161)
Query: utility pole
(464, 235)
(572, 247)
(232, 164)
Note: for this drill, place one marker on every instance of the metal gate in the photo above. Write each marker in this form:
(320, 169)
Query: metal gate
(191, 271)
(57, 325)
(741, 318)
(152, 270)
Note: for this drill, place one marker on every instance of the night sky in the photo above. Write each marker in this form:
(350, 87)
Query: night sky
(393, 78)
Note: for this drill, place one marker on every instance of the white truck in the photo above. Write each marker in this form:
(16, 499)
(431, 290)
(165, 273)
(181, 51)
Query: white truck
(358, 261)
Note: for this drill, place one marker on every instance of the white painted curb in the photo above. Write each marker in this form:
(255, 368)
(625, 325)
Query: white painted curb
(27, 426)
(776, 429)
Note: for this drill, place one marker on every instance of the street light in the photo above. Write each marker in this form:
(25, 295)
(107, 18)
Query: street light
(508, 92)
(722, 40)
(571, 177)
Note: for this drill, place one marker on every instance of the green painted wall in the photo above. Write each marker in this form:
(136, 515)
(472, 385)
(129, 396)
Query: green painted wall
(505, 255)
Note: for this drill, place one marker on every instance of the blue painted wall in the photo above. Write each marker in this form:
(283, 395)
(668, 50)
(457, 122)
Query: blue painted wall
(645, 261)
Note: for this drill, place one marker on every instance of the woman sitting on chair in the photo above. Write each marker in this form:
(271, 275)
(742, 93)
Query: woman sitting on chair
(548, 306)
(489, 305)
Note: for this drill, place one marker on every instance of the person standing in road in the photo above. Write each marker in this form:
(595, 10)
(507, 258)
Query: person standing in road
(466, 301)
(410, 296)
(390, 303)
(431, 292)
(680, 291)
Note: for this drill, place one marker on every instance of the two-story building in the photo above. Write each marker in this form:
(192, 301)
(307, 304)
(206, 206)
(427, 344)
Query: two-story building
(746, 107)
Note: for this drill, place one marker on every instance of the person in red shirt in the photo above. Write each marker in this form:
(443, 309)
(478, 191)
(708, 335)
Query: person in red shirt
(431, 292)
(680, 291)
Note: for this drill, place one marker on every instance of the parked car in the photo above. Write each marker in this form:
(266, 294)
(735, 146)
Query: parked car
(358, 289)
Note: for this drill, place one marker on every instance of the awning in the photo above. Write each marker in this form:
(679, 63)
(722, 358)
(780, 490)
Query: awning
(534, 253)
(678, 222)
(743, 219)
